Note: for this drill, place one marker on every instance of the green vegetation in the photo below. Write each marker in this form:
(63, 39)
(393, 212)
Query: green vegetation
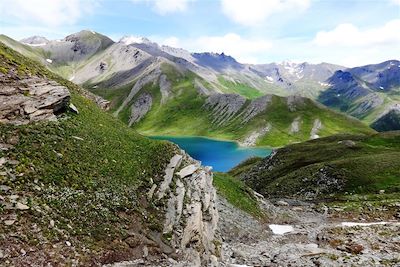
(244, 166)
(86, 172)
(334, 165)
(237, 193)
(240, 88)
(184, 114)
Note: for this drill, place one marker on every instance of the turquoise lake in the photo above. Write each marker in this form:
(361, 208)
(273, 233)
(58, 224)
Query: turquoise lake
(221, 155)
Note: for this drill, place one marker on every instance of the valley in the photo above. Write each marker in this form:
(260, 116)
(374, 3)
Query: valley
(161, 90)
(296, 180)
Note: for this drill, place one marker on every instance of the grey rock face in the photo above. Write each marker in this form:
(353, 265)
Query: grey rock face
(315, 129)
(140, 108)
(367, 104)
(252, 138)
(294, 101)
(165, 88)
(201, 89)
(224, 106)
(146, 78)
(190, 211)
(295, 126)
(31, 99)
(255, 107)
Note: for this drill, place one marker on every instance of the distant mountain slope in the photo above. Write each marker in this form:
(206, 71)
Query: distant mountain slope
(162, 90)
(170, 102)
(367, 92)
(327, 167)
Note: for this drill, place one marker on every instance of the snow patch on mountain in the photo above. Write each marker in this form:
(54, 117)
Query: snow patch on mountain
(128, 39)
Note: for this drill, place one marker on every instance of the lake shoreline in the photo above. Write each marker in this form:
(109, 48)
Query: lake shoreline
(210, 138)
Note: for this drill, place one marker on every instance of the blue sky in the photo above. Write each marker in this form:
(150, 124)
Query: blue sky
(347, 32)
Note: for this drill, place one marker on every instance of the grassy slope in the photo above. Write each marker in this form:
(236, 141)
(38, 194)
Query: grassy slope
(93, 190)
(237, 193)
(371, 165)
(239, 88)
(183, 115)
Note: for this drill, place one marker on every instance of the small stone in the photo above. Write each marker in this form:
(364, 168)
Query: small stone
(9, 222)
(52, 223)
(4, 188)
(73, 108)
(59, 155)
(145, 252)
(20, 206)
(68, 243)
(23, 252)
(78, 138)
(354, 248)
(13, 162)
(282, 203)
(13, 197)
(297, 209)
(381, 191)
(2, 161)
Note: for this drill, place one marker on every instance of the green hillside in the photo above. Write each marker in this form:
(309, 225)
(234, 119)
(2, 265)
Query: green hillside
(185, 114)
(84, 174)
(328, 166)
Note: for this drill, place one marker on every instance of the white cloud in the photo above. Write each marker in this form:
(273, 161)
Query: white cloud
(49, 13)
(351, 36)
(254, 12)
(245, 50)
(396, 2)
(167, 6)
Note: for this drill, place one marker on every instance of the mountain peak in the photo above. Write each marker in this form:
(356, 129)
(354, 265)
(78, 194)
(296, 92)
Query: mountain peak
(130, 39)
(35, 40)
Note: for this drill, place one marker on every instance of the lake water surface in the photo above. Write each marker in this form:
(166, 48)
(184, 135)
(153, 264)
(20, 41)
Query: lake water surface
(221, 155)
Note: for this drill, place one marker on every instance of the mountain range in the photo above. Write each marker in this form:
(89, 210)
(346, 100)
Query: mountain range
(161, 90)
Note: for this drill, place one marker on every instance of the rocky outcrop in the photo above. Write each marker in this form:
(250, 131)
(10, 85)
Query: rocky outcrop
(224, 106)
(227, 107)
(315, 129)
(31, 99)
(252, 138)
(294, 101)
(255, 107)
(368, 103)
(140, 108)
(188, 199)
(165, 88)
(295, 126)
(150, 77)
(201, 89)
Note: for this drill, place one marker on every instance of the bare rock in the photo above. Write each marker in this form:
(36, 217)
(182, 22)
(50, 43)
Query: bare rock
(21, 206)
(31, 99)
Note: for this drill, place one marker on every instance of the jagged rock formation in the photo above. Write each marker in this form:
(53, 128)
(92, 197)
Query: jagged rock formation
(190, 210)
(30, 99)
(224, 106)
(227, 107)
